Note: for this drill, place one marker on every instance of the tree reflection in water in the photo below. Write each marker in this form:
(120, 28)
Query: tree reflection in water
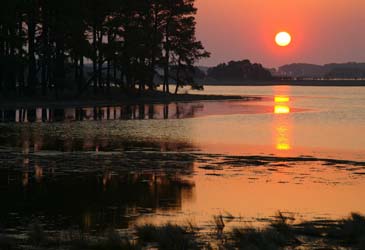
(125, 112)
(106, 190)
(92, 180)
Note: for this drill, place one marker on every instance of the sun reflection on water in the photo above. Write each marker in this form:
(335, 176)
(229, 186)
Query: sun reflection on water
(282, 139)
(281, 109)
(281, 124)
(282, 99)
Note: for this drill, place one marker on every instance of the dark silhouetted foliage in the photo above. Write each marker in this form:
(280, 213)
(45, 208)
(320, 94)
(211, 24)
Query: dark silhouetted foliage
(46, 46)
(237, 71)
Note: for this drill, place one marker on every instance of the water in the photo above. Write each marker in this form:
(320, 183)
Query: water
(298, 149)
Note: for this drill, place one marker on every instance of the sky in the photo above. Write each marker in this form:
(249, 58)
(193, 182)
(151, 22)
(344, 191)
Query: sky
(323, 31)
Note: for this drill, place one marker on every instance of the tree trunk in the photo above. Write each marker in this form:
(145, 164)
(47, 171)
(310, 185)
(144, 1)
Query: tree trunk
(95, 56)
(151, 83)
(45, 58)
(167, 60)
(76, 69)
(12, 57)
(108, 76)
(21, 78)
(178, 77)
(21, 66)
(128, 74)
(100, 60)
(108, 70)
(115, 80)
(1, 58)
(60, 63)
(81, 76)
(32, 74)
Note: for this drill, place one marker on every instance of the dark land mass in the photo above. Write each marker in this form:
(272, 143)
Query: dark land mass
(149, 97)
(245, 73)
(332, 70)
(239, 71)
(319, 83)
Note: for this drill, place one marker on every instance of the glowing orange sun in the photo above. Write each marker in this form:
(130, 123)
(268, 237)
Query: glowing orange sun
(283, 39)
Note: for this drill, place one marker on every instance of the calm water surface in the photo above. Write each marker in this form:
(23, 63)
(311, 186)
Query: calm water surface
(299, 150)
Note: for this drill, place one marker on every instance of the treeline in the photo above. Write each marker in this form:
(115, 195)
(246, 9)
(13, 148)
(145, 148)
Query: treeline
(75, 46)
(239, 71)
(332, 70)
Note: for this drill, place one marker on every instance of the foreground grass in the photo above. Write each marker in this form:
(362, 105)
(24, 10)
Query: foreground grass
(280, 233)
(169, 237)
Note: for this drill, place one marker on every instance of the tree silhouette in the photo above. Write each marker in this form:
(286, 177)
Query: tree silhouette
(238, 71)
(74, 47)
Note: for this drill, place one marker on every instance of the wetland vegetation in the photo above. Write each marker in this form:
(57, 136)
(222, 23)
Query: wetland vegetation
(282, 231)
(102, 148)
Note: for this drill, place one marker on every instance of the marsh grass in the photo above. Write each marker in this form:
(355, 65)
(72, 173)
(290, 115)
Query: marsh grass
(78, 239)
(169, 237)
(36, 234)
(277, 235)
(110, 240)
(280, 233)
(113, 240)
(7, 243)
(350, 231)
(219, 224)
(252, 239)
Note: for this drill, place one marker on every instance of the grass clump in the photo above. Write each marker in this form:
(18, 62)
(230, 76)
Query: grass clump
(350, 231)
(219, 224)
(256, 239)
(168, 237)
(278, 235)
(111, 240)
(36, 234)
(7, 243)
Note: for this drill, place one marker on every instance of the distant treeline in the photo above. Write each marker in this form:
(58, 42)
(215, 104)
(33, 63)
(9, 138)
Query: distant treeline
(45, 45)
(330, 71)
(238, 71)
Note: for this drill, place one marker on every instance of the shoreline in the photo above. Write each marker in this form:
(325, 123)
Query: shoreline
(116, 100)
(309, 83)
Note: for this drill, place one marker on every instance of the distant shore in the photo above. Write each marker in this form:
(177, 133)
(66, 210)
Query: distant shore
(312, 83)
(154, 97)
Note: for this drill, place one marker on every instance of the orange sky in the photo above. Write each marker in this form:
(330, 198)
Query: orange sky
(323, 31)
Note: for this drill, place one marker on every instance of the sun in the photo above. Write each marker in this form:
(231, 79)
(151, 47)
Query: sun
(283, 39)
